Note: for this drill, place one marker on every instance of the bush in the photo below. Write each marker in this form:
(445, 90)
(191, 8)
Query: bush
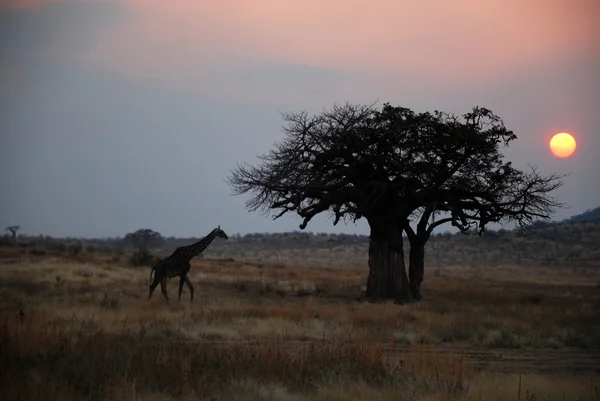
(138, 259)
(5, 240)
(58, 247)
(75, 249)
(119, 249)
(37, 252)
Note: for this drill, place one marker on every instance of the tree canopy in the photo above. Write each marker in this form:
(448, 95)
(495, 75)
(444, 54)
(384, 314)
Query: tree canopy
(143, 239)
(389, 164)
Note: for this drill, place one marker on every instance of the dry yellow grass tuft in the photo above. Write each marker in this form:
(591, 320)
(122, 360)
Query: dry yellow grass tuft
(284, 332)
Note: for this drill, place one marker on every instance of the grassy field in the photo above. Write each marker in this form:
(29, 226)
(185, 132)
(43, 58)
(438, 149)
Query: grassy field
(80, 327)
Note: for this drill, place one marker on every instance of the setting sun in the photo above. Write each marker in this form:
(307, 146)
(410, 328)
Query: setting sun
(563, 145)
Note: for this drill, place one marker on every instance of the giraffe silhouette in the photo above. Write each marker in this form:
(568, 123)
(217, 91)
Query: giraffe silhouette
(178, 265)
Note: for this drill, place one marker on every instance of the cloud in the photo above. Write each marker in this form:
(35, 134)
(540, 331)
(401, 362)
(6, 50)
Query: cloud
(443, 41)
(227, 49)
(54, 30)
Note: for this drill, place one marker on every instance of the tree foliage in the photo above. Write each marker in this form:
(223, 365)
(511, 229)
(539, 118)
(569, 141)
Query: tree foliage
(354, 159)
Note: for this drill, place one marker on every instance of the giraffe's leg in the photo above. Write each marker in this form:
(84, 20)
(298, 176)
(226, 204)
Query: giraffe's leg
(190, 286)
(152, 287)
(180, 287)
(163, 288)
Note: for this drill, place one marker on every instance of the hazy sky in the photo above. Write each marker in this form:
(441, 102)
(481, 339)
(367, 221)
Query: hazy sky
(119, 115)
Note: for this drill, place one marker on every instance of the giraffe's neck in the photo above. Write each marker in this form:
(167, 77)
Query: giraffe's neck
(195, 249)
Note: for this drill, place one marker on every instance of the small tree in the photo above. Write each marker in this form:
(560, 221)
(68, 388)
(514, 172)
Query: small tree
(13, 232)
(143, 240)
(386, 165)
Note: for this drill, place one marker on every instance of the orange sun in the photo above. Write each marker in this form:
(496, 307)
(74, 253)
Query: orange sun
(563, 145)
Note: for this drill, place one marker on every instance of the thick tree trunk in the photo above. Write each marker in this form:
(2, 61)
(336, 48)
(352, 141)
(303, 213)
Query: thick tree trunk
(416, 267)
(387, 272)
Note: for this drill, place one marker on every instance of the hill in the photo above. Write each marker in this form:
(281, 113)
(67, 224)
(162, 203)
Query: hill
(589, 215)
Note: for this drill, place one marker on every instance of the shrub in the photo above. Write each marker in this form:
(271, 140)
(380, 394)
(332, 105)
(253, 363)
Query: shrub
(75, 249)
(138, 259)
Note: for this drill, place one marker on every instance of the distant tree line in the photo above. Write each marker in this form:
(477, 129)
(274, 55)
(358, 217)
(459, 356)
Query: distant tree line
(564, 241)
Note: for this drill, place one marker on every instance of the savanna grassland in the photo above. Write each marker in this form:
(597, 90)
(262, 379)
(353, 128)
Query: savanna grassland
(284, 327)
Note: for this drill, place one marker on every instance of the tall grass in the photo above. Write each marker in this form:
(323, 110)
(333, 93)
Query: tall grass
(81, 362)
(284, 332)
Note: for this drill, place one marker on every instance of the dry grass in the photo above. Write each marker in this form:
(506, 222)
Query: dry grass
(280, 332)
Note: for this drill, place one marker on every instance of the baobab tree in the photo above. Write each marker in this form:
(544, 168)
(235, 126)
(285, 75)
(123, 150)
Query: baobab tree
(356, 161)
(13, 231)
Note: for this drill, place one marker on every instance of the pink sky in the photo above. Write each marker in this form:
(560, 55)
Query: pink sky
(441, 40)
(444, 41)
(409, 47)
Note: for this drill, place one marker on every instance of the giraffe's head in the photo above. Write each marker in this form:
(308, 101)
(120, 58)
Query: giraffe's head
(220, 233)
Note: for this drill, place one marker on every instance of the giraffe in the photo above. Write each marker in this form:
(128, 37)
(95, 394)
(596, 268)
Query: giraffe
(178, 264)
